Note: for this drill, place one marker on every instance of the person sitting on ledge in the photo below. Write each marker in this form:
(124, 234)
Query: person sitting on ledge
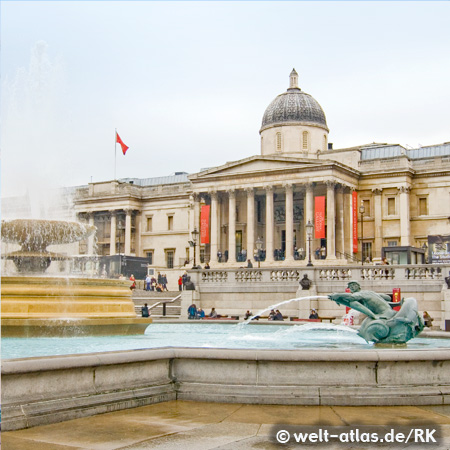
(278, 315)
(144, 311)
(192, 311)
(314, 314)
(200, 313)
(213, 314)
(248, 314)
(271, 315)
(427, 320)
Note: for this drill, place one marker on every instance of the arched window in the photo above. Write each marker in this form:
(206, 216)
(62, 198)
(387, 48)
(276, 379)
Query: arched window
(279, 141)
(305, 140)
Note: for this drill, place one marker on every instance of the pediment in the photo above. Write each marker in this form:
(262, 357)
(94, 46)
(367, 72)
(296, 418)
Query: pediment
(258, 165)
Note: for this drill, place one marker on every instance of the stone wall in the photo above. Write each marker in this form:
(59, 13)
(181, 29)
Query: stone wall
(40, 391)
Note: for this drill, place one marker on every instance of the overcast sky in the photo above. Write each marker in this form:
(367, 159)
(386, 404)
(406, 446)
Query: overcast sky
(186, 83)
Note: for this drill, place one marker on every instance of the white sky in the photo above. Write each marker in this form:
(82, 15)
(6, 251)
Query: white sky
(186, 83)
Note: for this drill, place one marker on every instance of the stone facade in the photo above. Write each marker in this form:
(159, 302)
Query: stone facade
(266, 200)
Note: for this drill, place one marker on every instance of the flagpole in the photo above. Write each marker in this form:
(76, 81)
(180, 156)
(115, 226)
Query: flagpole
(115, 152)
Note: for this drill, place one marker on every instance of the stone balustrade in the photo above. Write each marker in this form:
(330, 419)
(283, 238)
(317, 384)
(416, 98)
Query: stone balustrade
(398, 273)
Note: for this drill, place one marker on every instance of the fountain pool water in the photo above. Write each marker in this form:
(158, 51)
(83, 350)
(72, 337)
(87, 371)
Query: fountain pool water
(313, 336)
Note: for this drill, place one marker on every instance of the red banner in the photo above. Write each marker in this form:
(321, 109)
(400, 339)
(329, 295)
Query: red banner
(396, 298)
(355, 221)
(319, 218)
(204, 224)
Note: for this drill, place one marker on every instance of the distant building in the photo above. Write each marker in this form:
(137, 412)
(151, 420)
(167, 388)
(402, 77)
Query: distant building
(266, 200)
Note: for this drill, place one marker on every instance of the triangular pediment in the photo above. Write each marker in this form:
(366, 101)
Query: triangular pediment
(258, 164)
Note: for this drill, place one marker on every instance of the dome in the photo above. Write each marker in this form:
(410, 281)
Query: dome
(294, 107)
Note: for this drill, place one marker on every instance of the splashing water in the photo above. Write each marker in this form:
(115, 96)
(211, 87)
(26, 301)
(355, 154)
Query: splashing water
(310, 297)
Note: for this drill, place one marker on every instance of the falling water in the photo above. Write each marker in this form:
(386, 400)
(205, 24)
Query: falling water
(310, 297)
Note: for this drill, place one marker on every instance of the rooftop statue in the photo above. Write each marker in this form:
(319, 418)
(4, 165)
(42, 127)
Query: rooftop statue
(383, 324)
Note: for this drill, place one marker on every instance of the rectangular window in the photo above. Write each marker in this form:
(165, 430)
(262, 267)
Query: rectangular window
(391, 206)
(259, 211)
(149, 255)
(170, 223)
(149, 223)
(367, 251)
(392, 243)
(170, 256)
(423, 206)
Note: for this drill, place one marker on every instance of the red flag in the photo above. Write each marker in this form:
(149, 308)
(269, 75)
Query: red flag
(119, 141)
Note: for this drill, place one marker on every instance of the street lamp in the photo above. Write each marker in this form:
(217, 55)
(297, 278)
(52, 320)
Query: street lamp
(362, 211)
(309, 232)
(259, 244)
(193, 243)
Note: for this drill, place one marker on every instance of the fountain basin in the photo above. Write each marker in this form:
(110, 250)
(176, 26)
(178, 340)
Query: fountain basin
(60, 306)
(44, 390)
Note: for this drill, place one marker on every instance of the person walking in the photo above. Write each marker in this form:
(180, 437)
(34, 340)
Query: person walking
(180, 283)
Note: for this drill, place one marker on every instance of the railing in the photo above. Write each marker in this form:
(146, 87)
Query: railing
(376, 273)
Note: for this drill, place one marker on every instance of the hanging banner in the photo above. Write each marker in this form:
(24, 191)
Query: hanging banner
(355, 221)
(319, 218)
(204, 224)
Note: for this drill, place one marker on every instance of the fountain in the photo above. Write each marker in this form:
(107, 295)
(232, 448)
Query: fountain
(35, 304)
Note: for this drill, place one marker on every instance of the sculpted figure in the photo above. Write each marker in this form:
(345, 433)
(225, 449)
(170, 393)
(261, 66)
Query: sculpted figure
(305, 283)
(383, 324)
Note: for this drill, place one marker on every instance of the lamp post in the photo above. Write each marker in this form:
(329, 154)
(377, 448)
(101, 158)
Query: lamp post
(309, 232)
(362, 211)
(193, 243)
(259, 243)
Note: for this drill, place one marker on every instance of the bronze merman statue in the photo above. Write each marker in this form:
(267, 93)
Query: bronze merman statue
(383, 325)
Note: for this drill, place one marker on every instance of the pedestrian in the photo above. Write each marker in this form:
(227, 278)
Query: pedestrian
(148, 280)
(323, 252)
(144, 311)
(249, 264)
(180, 283)
(185, 276)
(133, 282)
(192, 311)
(207, 266)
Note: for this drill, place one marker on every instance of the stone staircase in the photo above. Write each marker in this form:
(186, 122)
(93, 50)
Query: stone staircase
(155, 302)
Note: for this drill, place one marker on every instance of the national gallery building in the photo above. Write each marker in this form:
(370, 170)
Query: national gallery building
(299, 197)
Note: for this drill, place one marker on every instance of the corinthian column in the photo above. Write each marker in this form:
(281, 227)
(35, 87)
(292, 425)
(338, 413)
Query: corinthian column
(289, 217)
(112, 237)
(250, 222)
(405, 225)
(269, 223)
(377, 223)
(232, 226)
(309, 216)
(340, 221)
(128, 232)
(331, 220)
(214, 226)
